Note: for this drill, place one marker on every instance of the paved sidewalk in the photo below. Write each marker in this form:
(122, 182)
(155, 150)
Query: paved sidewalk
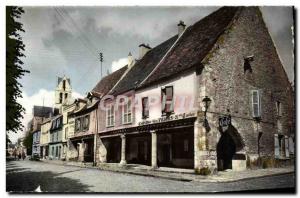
(182, 174)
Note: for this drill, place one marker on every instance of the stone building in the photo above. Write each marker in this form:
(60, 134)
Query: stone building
(223, 97)
(40, 113)
(45, 137)
(63, 92)
(56, 143)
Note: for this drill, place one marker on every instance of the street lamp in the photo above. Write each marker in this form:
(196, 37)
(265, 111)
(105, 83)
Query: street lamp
(206, 102)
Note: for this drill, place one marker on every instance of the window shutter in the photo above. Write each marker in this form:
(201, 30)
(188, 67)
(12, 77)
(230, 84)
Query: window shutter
(276, 146)
(256, 106)
(286, 144)
(291, 145)
(163, 100)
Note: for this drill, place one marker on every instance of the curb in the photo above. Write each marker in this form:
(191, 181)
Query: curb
(257, 177)
(173, 178)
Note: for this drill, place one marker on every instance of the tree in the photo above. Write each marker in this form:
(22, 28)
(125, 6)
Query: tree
(27, 142)
(14, 71)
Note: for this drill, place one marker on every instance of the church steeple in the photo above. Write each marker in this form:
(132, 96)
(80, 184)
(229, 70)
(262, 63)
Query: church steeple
(63, 92)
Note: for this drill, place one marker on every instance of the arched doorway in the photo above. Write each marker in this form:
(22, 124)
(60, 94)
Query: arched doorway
(229, 143)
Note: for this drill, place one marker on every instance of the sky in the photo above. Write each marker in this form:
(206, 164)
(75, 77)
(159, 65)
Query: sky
(67, 40)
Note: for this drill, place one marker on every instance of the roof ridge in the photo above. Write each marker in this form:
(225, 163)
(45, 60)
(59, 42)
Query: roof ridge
(124, 74)
(179, 36)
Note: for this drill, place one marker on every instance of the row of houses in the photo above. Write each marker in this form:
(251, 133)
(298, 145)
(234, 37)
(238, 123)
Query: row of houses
(212, 96)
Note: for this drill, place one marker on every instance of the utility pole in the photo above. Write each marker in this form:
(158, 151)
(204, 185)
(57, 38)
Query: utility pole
(101, 60)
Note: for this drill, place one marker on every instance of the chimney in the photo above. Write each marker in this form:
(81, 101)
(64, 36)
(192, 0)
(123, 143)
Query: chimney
(143, 50)
(130, 60)
(181, 27)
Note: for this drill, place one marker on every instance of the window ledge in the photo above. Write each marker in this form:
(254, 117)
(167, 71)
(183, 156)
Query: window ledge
(127, 123)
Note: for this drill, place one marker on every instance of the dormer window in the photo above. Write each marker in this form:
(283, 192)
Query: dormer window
(247, 65)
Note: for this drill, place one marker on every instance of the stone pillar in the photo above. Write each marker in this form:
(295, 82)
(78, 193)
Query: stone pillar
(154, 149)
(123, 150)
(203, 158)
(95, 149)
(44, 152)
(81, 152)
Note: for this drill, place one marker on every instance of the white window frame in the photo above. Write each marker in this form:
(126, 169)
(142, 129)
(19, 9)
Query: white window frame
(128, 113)
(278, 108)
(110, 115)
(258, 93)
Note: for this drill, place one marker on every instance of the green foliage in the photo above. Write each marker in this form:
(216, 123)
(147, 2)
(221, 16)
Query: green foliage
(28, 143)
(203, 171)
(14, 71)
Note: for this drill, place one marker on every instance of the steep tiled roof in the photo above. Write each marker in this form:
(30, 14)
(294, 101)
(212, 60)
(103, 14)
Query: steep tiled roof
(194, 44)
(143, 67)
(107, 83)
(40, 111)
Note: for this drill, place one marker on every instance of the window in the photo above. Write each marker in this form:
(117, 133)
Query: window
(278, 108)
(66, 96)
(58, 123)
(247, 65)
(56, 153)
(167, 100)
(64, 85)
(145, 107)
(110, 116)
(127, 112)
(256, 103)
(281, 146)
(60, 97)
(86, 120)
(77, 124)
(66, 132)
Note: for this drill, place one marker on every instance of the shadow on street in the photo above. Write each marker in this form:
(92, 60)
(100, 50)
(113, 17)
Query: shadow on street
(21, 180)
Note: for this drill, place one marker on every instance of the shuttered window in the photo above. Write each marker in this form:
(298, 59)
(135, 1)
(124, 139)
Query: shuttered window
(276, 146)
(256, 103)
(291, 145)
(167, 100)
(286, 144)
(145, 107)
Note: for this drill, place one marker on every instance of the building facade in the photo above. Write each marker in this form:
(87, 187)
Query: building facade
(222, 98)
(55, 143)
(45, 138)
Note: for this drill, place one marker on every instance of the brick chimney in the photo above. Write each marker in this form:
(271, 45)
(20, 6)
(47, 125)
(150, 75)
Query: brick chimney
(181, 27)
(143, 50)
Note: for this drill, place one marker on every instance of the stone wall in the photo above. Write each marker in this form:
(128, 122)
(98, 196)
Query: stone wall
(225, 81)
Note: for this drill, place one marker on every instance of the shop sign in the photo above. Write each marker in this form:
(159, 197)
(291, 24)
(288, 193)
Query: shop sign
(170, 118)
(225, 121)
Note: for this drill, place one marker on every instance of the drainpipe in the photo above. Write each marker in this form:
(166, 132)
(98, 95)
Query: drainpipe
(95, 138)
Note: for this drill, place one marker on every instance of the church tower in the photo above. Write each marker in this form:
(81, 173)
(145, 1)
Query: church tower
(63, 92)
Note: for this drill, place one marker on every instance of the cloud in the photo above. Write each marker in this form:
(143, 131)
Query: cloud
(40, 98)
(119, 64)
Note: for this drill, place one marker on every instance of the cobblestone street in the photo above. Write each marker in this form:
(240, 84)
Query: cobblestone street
(27, 176)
